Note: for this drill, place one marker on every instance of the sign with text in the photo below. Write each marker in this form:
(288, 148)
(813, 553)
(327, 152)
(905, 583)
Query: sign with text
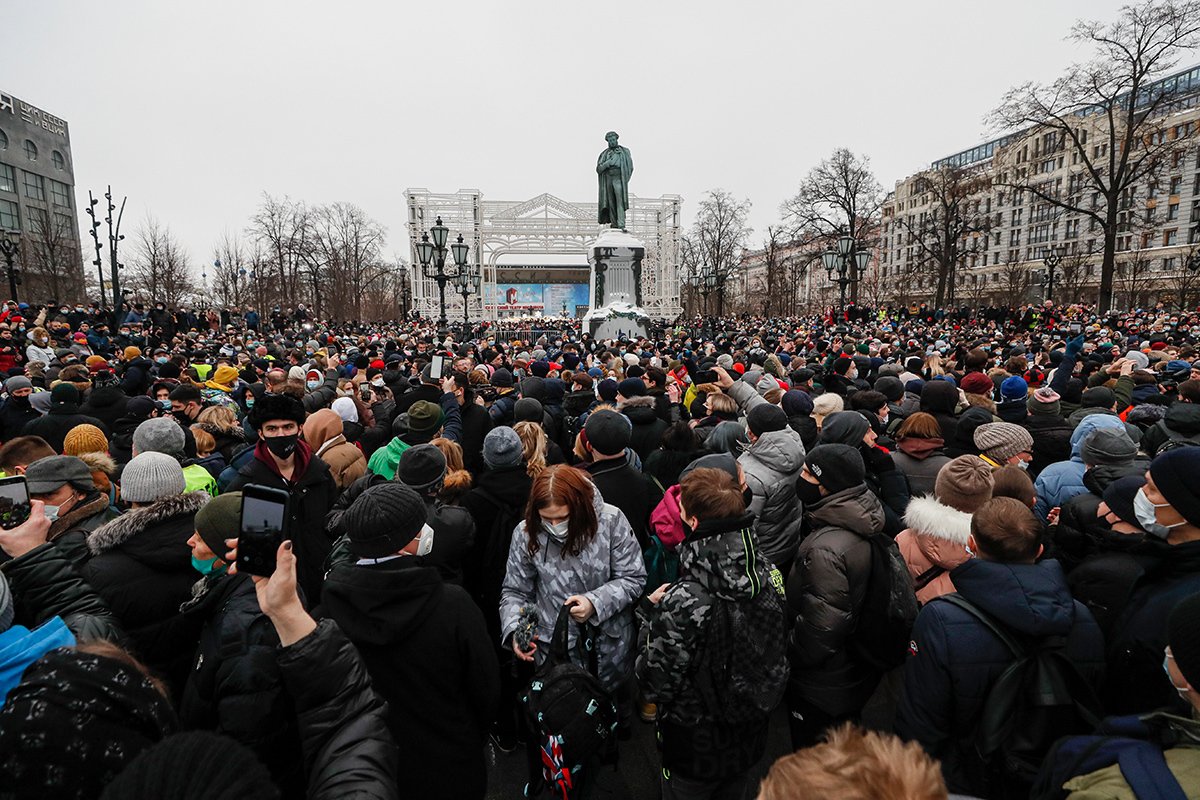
(32, 115)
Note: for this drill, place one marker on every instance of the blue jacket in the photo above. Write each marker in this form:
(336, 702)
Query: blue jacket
(954, 659)
(1058, 483)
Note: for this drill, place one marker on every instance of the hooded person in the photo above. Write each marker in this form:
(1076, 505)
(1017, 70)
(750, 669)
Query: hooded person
(771, 465)
(940, 398)
(423, 422)
(323, 432)
(1059, 482)
(883, 479)
(935, 541)
(284, 461)
(423, 469)
(140, 563)
(798, 406)
(16, 410)
(963, 443)
(62, 417)
(1051, 433)
(390, 604)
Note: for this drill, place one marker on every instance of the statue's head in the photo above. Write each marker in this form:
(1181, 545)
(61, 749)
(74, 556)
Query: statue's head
(611, 138)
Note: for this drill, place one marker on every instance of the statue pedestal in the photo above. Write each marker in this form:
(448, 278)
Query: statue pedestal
(615, 289)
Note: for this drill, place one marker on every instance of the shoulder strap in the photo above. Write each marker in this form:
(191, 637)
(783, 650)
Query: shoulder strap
(1145, 769)
(927, 577)
(988, 622)
(560, 652)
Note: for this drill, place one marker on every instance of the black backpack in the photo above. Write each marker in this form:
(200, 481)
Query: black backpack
(568, 708)
(883, 630)
(1039, 698)
(743, 669)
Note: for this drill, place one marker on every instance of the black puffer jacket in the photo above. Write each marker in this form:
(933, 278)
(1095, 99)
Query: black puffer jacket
(1182, 423)
(235, 687)
(1079, 533)
(498, 498)
(348, 752)
(142, 566)
(135, 377)
(46, 584)
(825, 593)
(55, 426)
(14, 414)
(648, 427)
(105, 403)
(1051, 440)
(441, 704)
(940, 398)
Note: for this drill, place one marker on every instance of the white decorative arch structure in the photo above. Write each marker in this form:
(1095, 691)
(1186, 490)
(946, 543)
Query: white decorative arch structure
(542, 226)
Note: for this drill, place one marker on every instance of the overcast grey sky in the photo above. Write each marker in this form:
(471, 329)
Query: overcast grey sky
(195, 109)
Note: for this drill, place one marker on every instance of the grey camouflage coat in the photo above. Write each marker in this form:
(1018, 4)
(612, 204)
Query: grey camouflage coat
(609, 572)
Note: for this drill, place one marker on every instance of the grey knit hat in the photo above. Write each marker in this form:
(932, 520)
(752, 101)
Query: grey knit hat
(159, 435)
(1001, 441)
(17, 382)
(502, 448)
(1107, 446)
(151, 476)
(1044, 401)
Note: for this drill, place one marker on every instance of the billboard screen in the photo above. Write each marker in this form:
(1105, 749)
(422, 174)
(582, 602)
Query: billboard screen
(534, 298)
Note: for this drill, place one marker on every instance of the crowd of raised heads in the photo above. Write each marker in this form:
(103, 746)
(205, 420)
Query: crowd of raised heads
(897, 553)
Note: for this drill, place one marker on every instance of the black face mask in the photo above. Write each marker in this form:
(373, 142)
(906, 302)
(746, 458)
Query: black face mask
(808, 493)
(182, 416)
(282, 446)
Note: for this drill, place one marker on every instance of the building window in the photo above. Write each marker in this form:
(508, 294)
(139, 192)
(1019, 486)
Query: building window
(1176, 184)
(1173, 211)
(30, 150)
(8, 178)
(1170, 237)
(10, 217)
(4, 144)
(60, 163)
(60, 194)
(34, 188)
(1168, 264)
(64, 224)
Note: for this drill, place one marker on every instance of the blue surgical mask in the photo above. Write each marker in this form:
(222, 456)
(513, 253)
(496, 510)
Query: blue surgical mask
(51, 512)
(312, 384)
(206, 566)
(557, 530)
(250, 402)
(162, 359)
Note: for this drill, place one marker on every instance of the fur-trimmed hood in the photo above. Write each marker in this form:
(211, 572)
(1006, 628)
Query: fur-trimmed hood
(645, 401)
(125, 527)
(99, 462)
(927, 516)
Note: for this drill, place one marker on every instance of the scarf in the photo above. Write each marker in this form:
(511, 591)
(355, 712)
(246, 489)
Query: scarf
(303, 456)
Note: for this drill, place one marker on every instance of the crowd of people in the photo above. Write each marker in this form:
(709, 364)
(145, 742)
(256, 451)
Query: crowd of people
(958, 552)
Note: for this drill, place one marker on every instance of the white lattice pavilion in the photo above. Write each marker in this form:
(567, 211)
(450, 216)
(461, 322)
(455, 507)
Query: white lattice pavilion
(543, 226)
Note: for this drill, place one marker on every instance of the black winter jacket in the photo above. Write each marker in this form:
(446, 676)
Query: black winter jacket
(1182, 422)
(105, 403)
(311, 496)
(235, 687)
(15, 413)
(648, 427)
(55, 426)
(499, 496)
(1051, 440)
(45, 584)
(142, 566)
(476, 424)
(135, 377)
(440, 704)
(629, 490)
(954, 659)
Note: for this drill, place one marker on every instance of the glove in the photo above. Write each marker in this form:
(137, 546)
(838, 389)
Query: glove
(1075, 346)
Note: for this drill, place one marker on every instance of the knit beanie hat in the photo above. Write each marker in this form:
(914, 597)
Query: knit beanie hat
(159, 435)
(890, 387)
(1044, 401)
(631, 387)
(502, 378)
(1098, 397)
(171, 767)
(421, 467)
(964, 483)
(1183, 637)
(528, 409)
(1014, 388)
(607, 390)
(151, 476)
(64, 393)
(131, 352)
(1001, 441)
(84, 439)
(502, 448)
(796, 402)
(1174, 473)
(17, 382)
(1140, 360)
(841, 365)
(218, 520)
(978, 383)
(383, 520)
(914, 386)
(1119, 496)
(836, 466)
(766, 418)
(722, 461)
(1107, 446)
(424, 417)
(608, 432)
(844, 427)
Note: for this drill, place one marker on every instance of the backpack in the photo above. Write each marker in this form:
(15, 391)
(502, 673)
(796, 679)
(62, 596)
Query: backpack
(884, 626)
(1175, 444)
(662, 565)
(570, 711)
(1038, 698)
(743, 669)
(1134, 744)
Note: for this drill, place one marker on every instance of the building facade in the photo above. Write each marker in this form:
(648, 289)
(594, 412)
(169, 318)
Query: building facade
(37, 200)
(1002, 238)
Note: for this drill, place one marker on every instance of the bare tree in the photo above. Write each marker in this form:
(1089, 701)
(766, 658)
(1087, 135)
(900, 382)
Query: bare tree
(230, 273)
(1131, 273)
(719, 235)
(839, 197)
(282, 229)
(1073, 276)
(1106, 115)
(50, 256)
(1017, 281)
(941, 233)
(159, 269)
(346, 250)
(1184, 281)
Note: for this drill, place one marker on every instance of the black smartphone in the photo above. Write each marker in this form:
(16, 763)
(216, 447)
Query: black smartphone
(706, 376)
(263, 528)
(1075, 328)
(14, 501)
(437, 367)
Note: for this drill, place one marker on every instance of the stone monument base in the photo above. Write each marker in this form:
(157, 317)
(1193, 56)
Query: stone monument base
(616, 271)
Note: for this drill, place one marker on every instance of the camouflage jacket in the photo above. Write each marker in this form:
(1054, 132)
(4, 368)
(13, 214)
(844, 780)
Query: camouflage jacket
(718, 562)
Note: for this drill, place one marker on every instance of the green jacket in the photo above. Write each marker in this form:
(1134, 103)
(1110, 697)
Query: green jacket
(385, 460)
(1183, 760)
(197, 479)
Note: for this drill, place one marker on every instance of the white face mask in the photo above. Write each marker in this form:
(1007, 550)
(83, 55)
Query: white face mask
(1023, 464)
(377, 381)
(51, 512)
(557, 530)
(1147, 517)
(425, 544)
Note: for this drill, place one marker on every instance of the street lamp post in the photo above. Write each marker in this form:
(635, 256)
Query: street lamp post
(468, 284)
(849, 261)
(9, 248)
(1052, 260)
(434, 254)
